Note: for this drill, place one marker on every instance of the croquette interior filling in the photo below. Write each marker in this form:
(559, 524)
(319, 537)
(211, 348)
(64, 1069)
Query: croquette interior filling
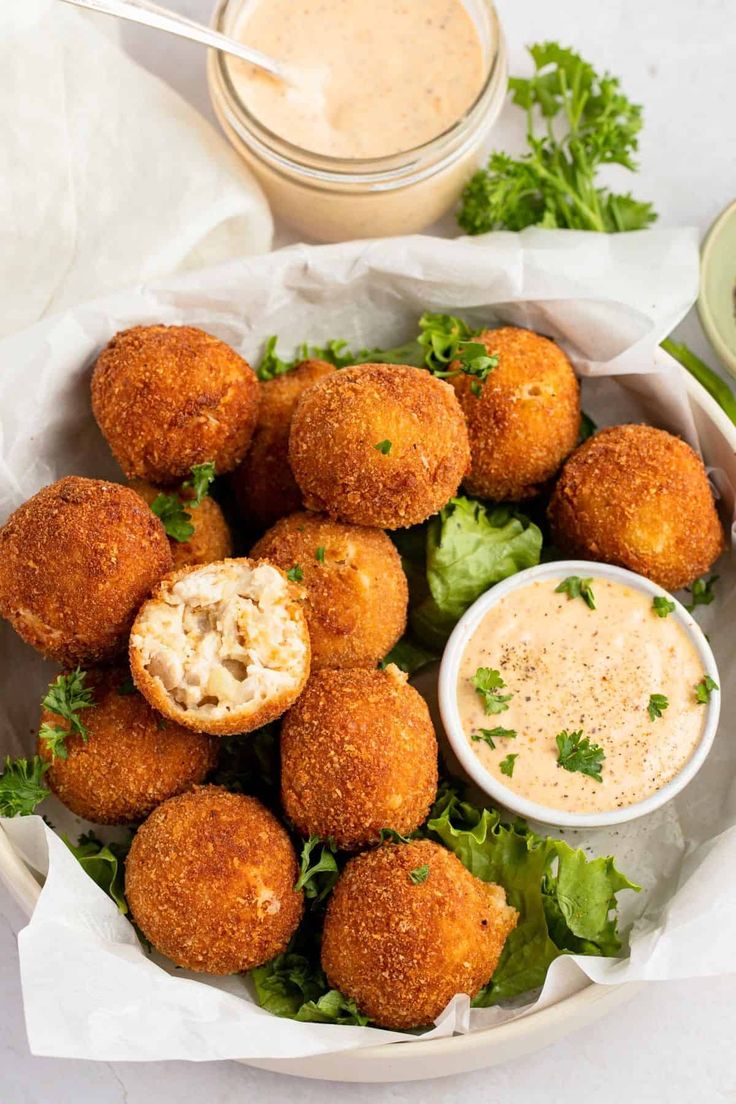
(223, 639)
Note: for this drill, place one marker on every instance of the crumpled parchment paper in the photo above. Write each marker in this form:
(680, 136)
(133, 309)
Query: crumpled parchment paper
(89, 989)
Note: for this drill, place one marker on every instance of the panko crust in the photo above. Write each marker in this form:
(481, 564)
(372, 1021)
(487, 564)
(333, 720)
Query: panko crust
(358, 753)
(132, 760)
(236, 722)
(211, 539)
(210, 881)
(638, 497)
(525, 420)
(169, 397)
(340, 420)
(402, 950)
(76, 561)
(356, 594)
(264, 485)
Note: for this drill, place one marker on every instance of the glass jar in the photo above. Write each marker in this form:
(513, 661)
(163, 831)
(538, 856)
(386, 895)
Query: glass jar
(335, 199)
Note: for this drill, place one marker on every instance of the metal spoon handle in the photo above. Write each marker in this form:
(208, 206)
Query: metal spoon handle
(151, 15)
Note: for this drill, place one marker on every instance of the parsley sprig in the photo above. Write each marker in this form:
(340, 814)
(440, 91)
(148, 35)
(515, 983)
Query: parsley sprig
(662, 606)
(490, 735)
(577, 121)
(704, 689)
(575, 587)
(576, 753)
(657, 705)
(317, 872)
(506, 766)
(487, 683)
(173, 511)
(67, 697)
(22, 786)
(702, 592)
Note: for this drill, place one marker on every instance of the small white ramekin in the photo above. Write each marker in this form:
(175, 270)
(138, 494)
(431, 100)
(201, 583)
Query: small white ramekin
(470, 762)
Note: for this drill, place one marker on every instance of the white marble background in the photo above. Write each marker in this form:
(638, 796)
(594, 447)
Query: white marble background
(673, 1042)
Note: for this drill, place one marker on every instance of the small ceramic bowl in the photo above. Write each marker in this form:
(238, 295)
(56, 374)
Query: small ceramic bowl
(717, 298)
(470, 762)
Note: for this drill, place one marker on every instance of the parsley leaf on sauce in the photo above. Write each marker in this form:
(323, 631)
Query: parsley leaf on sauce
(662, 606)
(575, 587)
(657, 705)
(704, 689)
(487, 683)
(490, 735)
(576, 753)
(506, 765)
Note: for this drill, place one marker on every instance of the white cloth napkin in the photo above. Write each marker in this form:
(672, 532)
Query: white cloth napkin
(108, 178)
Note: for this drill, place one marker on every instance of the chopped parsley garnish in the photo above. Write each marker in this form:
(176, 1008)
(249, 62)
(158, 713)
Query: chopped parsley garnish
(202, 476)
(576, 753)
(487, 683)
(295, 574)
(319, 554)
(662, 606)
(318, 873)
(575, 587)
(704, 689)
(657, 705)
(490, 735)
(701, 592)
(67, 697)
(173, 511)
(420, 874)
(506, 766)
(383, 447)
(21, 786)
(127, 686)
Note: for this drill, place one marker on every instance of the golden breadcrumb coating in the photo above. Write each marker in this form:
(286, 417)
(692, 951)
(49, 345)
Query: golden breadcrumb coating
(358, 753)
(416, 420)
(169, 397)
(76, 561)
(211, 539)
(402, 950)
(210, 881)
(638, 497)
(263, 484)
(356, 590)
(526, 418)
(132, 759)
(222, 648)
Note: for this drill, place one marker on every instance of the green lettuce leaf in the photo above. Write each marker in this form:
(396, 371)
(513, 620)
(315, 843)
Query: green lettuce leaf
(104, 863)
(565, 901)
(409, 656)
(469, 548)
(293, 985)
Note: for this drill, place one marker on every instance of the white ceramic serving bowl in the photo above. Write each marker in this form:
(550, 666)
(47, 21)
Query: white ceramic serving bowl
(508, 798)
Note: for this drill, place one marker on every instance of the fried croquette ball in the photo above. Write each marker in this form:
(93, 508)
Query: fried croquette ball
(638, 497)
(263, 484)
(358, 754)
(382, 445)
(169, 397)
(222, 648)
(76, 561)
(408, 927)
(356, 590)
(210, 881)
(132, 759)
(211, 539)
(523, 420)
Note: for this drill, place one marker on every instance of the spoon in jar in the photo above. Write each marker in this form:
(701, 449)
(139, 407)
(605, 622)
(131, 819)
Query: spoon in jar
(151, 15)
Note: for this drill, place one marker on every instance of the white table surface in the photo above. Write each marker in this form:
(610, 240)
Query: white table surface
(673, 1042)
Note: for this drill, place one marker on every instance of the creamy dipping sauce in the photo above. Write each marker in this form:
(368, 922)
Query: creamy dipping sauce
(372, 77)
(569, 667)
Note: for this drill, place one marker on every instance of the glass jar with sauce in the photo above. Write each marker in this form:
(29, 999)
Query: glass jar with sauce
(337, 197)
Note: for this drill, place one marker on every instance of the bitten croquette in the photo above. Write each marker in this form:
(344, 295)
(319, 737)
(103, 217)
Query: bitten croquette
(131, 760)
(169, 397)
(523, 420)
(222, 648)
(211, 539)
(358, 754)
(264, 485)
(382, 445)
(408, 927)
(76, 561)
(210, 881)
(638, 497)
(356, 590)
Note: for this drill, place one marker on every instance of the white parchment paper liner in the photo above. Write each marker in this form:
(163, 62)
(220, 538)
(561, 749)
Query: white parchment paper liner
(89, 990)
